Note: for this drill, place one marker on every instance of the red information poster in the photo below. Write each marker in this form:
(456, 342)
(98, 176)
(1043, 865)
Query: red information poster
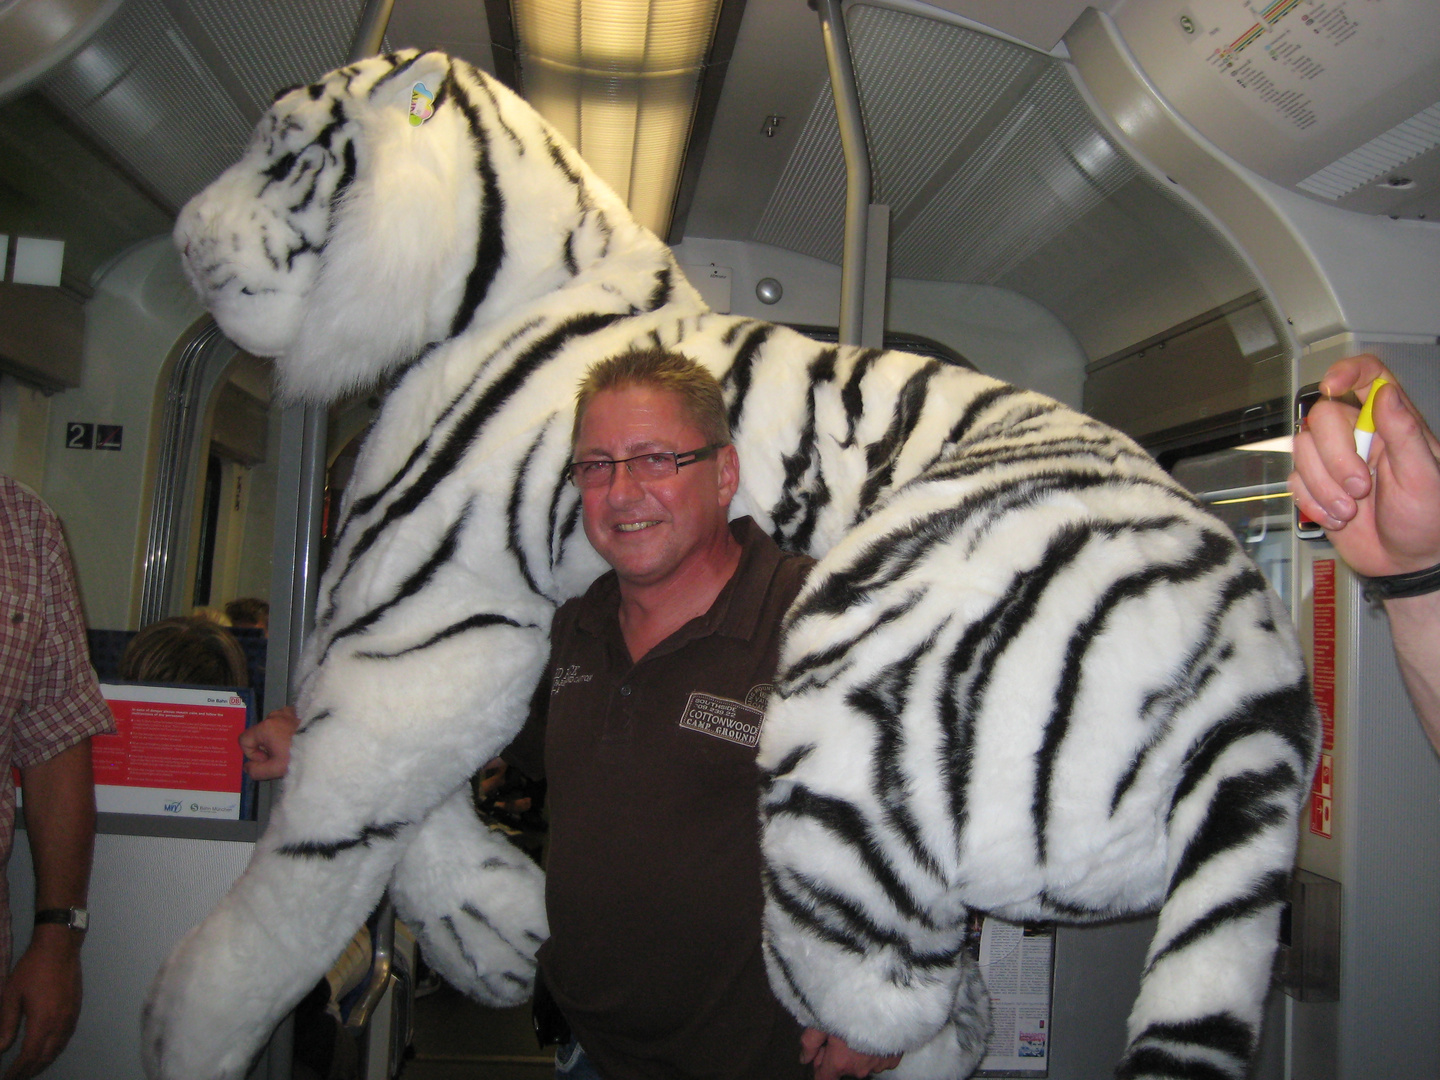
(1322, 790)
(174, 752)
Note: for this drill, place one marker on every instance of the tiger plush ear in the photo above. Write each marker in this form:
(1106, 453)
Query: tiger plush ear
(403, 238)
(412, 88)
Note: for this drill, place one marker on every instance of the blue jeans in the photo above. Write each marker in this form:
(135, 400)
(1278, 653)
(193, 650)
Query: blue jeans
(572, 1063)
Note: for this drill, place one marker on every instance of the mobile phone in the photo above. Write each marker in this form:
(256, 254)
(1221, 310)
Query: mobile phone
(1305, 397)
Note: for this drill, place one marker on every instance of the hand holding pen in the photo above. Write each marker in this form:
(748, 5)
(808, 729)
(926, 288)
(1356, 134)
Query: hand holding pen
(1382, 514)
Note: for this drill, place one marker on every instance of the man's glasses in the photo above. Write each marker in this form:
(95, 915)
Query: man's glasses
(660, 465)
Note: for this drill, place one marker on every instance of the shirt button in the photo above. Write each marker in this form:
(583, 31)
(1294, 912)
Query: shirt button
(625, 690)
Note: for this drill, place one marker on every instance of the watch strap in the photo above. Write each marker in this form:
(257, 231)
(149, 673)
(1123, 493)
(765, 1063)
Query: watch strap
(76, 918)
(1399, 586)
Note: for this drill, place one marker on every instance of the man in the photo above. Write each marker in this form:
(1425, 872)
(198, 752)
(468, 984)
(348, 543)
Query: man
(50, 705)
(656, 696)
(1382, 515)
(646, 728)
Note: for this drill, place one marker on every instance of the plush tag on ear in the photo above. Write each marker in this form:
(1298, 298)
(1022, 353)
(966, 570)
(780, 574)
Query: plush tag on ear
(422, 104)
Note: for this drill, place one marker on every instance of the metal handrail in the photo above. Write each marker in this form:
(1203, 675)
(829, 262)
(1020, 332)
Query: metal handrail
(382, 938)
(857, 168)
(177, 446)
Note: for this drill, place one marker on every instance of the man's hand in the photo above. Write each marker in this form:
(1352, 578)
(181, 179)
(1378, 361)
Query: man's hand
(44, 992)
(267, 745)
(832, 1058)
(1388, 523)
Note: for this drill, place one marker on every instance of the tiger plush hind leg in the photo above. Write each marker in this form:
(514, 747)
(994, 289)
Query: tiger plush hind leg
(1041, 698)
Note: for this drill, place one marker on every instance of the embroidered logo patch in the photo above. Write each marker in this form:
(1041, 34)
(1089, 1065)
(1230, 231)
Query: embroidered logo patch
(565, 676)
(723, 718)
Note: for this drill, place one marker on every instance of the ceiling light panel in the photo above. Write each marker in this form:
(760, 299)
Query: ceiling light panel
(618, 78)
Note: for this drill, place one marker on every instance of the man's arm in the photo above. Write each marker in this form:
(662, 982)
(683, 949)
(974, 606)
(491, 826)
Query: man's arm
(44, 989)
(1382, 516)
(1415, 626)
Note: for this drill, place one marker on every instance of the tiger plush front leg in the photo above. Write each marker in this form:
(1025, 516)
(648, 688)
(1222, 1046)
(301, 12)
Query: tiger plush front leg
(378, 776)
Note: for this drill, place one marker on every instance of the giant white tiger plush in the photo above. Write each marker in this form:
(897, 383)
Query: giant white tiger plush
(1029, 674)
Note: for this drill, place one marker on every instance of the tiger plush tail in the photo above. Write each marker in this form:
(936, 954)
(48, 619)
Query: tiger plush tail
(1233, 826)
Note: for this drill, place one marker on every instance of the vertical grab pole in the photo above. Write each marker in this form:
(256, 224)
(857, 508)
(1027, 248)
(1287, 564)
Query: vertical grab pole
(295, 574)
(369, 37)
(857, 168)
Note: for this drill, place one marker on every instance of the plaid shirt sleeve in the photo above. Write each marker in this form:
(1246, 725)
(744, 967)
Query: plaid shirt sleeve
(59, 701)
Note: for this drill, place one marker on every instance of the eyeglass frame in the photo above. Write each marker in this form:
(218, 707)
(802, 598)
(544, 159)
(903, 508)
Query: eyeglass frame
(690, 457)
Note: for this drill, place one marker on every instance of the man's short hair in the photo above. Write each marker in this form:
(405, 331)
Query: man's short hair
(185, 649)
(248, 611)
(699, 393)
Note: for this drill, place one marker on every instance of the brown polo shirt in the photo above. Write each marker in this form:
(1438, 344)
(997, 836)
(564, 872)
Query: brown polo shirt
(653, 872)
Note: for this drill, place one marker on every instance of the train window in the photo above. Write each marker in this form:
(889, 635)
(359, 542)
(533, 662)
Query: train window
(1244, 486)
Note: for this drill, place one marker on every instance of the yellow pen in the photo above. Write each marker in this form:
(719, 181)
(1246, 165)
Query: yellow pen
(1365, 426)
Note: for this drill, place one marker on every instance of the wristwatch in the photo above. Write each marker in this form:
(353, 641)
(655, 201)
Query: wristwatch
(76, 918)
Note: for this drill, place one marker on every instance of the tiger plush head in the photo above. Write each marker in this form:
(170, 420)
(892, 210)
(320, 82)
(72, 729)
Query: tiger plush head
(367, 219)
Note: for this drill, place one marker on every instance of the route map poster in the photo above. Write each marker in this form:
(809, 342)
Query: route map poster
(1303, 62)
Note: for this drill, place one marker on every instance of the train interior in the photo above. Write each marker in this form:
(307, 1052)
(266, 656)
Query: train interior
(1172, 214)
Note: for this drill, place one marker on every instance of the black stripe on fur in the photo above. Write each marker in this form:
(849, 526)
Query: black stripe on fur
(1203, 663)
(804, 503)
(1270, 891)
(1285, 712)
(836, 918)
(662, 292)
(398, 68)
(977, 406)
(880, 455)
(474, 622)
(443, 553)
(513, 507)
(482, 80)
(889, 558)
(883, 699)
(323, 714)
(846, 823)
(981, 648)
(852, 396)
(810, 662)
(1152, 1061)
(1219, 1032)
(1242, 808)
(1212, 552)
(738, 377)
(790, 981)
(490, 248)
(479, 916)
(329, 849)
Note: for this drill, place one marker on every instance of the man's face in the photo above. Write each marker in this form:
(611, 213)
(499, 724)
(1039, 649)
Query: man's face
(652, 531)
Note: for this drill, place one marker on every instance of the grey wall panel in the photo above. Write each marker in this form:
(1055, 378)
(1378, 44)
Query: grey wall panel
(145, 893)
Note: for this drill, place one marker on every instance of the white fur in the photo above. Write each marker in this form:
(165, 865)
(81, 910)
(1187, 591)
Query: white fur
(406, 693)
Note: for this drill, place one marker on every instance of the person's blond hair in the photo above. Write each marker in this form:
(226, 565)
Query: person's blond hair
(699, 393)
(185, 650)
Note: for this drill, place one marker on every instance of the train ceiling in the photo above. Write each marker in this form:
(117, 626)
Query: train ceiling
(983, 147)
